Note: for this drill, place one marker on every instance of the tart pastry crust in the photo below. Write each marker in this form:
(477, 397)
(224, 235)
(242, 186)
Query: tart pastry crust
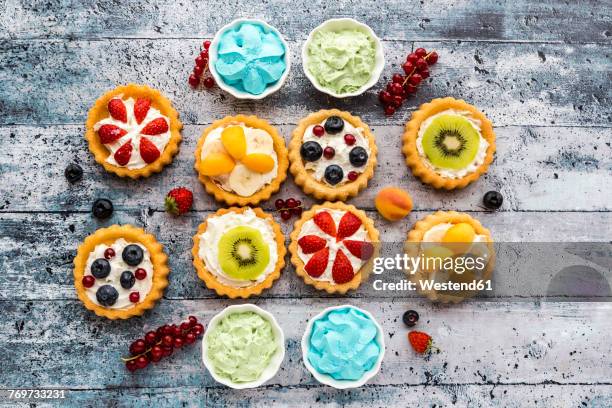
(211, 280)
(360, 275)
(317, 188)
(415, 237)
(263, 194)
(132, 234)
(99, 111)
(415, 161)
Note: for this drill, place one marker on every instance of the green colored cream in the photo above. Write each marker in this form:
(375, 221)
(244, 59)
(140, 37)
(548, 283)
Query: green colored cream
(343, 60)
(241, 346)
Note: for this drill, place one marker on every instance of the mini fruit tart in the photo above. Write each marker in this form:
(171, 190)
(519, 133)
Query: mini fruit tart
(452, 247)
(239, 252)
(133, 131)
(241, 160)
(332, 247)
(448, 143)
(332, 154)
(120, 272)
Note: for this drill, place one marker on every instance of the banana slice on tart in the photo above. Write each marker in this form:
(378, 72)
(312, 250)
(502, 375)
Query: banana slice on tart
(241, 160)
(448, 143)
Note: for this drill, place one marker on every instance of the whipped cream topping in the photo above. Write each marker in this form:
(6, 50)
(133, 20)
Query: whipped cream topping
(216, 226)
(341, 157)
(310, 228)
(241, 180)
(133, 129)
(118, 266)
(454, 173)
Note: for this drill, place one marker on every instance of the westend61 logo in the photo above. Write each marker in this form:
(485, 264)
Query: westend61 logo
(438, 270)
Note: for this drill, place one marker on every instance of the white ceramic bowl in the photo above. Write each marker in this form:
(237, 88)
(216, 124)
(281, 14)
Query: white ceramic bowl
(213, 56)
(328, 379)
(341, 24)
(276, 360)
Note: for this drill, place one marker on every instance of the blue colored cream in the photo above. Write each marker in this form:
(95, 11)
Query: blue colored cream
(343, 344)
(250, 57)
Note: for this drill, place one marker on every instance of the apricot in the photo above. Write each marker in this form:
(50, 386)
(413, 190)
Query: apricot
(460, 237)
(259, 162)
(393, 203)
(234, 141)
(216, 164)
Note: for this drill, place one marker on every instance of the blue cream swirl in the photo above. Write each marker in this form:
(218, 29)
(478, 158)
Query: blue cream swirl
(343, 344)
(250, 57)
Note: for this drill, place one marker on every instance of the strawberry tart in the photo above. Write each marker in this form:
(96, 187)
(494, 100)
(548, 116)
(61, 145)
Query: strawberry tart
(133, 131)
(332, 246)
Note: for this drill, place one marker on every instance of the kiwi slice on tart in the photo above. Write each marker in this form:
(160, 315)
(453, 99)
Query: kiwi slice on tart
(243, 254)
(451, 142)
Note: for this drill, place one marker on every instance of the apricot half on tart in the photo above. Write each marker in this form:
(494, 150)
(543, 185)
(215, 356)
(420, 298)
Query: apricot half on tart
(452, 247)
(448, 143)
(241, 160)
(239, 252)
(133, 131)
(120, 272)
(332, 247)
(332, 154)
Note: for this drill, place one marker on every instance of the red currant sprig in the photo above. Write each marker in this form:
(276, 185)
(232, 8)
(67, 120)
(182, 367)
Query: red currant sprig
(201, 68)
(416, 69)
(161, 343)
(288, 208)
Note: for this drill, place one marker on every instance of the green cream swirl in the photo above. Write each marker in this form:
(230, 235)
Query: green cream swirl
(240, 347)
(343, 60)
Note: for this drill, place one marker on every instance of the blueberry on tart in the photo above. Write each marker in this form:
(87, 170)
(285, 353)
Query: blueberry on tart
(448, 143)
(133, 131)
(120, 272)
(332, 155)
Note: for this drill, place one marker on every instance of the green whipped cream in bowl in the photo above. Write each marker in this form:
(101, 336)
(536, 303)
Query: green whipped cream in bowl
(243, 346)
(342, 57)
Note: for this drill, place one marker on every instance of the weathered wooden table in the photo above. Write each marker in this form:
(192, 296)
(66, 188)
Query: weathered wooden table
(539, 69)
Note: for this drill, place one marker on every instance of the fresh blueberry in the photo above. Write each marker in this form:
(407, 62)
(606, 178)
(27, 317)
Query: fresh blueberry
(102, 208)
(410, 318)
(100, 268)
(493, 200)
(107, 295)
(73, 173)
(127, 279)
(132, 254)
(334, 174)
(333, 125)
(358, 156)
(311, 151)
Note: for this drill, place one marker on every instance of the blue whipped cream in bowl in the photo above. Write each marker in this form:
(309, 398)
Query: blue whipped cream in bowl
(343, 346)
(249, 59)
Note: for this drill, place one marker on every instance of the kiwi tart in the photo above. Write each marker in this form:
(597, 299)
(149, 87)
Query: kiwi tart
(332, 155)
(452, 247)
(332, 247)
(241, 160)
(448, 143)
(239, 252)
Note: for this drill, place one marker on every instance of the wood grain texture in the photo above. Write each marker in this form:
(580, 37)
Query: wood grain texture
(539, 69)
(514, 84)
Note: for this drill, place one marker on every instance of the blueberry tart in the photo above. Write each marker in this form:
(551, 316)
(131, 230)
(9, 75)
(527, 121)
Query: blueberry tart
(448, 143)
(453, 247)
(332, 247)
(120, 272)
(332, 155)
(239, 252)
(241, 160)
(133, 131)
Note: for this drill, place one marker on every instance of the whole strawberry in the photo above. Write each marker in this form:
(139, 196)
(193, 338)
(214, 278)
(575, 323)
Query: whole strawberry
(421, 342)
(178, 201)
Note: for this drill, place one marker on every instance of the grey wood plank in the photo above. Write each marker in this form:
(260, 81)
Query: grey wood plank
(60, 344)
(523, 20)
(56, 82)
(472, 396)
(536, 169)
(36, 251)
